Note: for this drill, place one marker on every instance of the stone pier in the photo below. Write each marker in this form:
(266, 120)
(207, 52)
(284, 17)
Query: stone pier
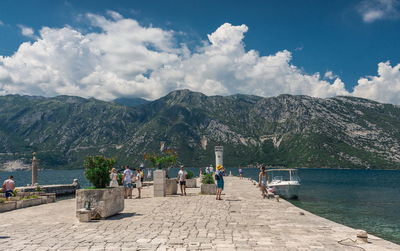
(242, 221)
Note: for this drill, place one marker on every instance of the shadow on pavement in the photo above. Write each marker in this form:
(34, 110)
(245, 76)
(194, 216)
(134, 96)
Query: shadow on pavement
(122, 216)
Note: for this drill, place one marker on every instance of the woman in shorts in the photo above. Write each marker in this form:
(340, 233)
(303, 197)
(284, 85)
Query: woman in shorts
(138, 182)
(262, 181)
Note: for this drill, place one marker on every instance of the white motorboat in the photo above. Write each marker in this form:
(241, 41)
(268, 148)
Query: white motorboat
(284, 182)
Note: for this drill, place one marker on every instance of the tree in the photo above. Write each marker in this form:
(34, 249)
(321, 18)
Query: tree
(97, 170)
(167, 159)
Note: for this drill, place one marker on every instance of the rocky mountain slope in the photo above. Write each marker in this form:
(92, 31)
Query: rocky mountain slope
(294, 131)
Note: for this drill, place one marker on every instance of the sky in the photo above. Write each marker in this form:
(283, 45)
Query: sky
(120, 48)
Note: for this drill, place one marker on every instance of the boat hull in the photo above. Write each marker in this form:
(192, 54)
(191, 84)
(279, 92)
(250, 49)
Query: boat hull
(287, 191)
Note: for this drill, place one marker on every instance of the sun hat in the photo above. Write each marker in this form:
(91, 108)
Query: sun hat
(219, 167)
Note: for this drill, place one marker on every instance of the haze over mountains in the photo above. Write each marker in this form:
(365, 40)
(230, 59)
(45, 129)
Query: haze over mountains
(288, 130)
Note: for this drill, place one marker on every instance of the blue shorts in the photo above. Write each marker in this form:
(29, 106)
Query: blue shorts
(9, 193)
(127, 184)
(220, 184)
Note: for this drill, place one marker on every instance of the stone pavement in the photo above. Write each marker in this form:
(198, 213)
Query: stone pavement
(242, 221)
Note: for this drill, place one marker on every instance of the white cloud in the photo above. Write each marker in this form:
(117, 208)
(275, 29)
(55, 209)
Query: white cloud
(385, 87)
(1, 23)
(114, 15)
(124, 58)
(372, 10)
(330, 75)
(27, 31)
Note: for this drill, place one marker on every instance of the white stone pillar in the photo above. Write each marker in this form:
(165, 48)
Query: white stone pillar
(159, 183)
(219, 150)
(34, 170)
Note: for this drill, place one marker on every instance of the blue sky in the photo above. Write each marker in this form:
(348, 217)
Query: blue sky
(344, 39)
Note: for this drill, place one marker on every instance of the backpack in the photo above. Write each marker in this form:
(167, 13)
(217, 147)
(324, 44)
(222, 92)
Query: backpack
(217, 177)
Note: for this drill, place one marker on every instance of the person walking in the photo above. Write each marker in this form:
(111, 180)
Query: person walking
(182, 174)
(241, 173)
(127, 180)
(149, 174)
(219, 177)
(8, 187)
(141, 174)
(262, 181)
(211, 169)
(113, 178)
(207, 169)
(138, 182)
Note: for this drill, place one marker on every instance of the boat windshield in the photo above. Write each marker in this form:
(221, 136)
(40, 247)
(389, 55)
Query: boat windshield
(283, 175)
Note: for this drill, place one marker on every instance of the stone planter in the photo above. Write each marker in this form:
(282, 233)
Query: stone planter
(8, 206)
(105, 202)
(160, 183)
(29, 203)
(191, 183)
(171, 187)
(208, 189)
(51, 197)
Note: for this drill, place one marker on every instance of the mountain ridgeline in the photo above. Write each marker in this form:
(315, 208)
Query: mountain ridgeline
(292, 131)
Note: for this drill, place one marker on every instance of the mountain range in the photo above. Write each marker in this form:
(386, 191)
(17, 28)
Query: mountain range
(287, 130)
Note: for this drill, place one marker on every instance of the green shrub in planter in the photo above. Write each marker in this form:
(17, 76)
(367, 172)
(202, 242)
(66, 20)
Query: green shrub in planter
(97, 170)
(207, 179)
(189, 175)
(30, 197)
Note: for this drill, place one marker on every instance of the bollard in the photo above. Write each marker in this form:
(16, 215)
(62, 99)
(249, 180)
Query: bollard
(362, 236)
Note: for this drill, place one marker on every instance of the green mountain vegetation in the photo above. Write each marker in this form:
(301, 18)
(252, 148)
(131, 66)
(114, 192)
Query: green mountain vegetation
(293, 131)
(133, 101)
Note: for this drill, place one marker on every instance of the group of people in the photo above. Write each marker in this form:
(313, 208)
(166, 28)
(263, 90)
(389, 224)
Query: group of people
(128, 178)
(209, 169)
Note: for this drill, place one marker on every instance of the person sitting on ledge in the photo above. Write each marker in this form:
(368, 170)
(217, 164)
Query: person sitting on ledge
(9, 186)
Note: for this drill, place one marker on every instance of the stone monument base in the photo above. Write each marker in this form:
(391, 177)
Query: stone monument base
(104, 202)
(159, 183)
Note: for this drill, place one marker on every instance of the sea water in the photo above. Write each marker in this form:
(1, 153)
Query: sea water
(361, 199)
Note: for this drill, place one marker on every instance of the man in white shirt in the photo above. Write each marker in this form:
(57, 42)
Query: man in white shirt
(182, 180)
(127, 179)
(9, 186)
(211, 169)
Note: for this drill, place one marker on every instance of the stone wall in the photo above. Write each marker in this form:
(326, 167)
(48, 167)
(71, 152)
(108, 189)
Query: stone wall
(61, 189)
(18, 202)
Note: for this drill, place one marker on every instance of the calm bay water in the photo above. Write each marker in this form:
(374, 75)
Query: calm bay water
(362, 199)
